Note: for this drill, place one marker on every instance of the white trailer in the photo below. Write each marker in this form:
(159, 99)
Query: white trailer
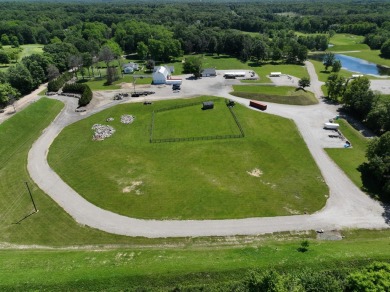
(331, 126)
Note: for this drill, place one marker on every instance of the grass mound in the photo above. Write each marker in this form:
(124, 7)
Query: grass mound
(275, 94)
(190, 180)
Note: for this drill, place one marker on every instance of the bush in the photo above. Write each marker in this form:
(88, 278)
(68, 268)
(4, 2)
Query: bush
(83, 89)
(57, 83)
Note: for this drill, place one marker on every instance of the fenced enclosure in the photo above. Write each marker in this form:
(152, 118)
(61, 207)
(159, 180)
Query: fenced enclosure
(187, 122)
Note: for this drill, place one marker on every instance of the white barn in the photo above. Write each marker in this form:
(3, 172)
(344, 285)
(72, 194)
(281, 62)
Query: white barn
(161, 75)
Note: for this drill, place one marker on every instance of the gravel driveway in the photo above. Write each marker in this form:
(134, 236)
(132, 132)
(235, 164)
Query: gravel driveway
(347, 206)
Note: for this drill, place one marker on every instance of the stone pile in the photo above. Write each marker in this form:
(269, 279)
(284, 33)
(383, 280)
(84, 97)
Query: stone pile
(102, 132)
(110, 119)
(127, 119)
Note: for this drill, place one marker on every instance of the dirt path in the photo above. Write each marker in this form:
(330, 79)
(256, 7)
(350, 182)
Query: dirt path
(347, 206)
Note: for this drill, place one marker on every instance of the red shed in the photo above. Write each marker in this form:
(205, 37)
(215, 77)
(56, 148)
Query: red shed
(258, 105)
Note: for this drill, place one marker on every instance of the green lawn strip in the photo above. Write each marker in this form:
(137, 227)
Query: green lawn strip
(163, 268)
(276, 94)
(190, 180)
(343, 39)
(348, 159)
(346, 48)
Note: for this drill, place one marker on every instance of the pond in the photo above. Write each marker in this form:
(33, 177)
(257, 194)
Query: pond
(357, 65)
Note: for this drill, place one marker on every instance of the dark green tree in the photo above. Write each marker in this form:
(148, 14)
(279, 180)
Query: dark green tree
(304, 82)
(335, 86)
(6, 90)
(193, 65)
(336, 66)
(358, 97)
(328, 60)
(385, 49)
(376, 277)
(377, 170)
(20, 78)
(4, 58)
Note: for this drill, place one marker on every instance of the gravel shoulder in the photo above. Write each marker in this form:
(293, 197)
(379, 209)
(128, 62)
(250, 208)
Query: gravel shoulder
(347, 206)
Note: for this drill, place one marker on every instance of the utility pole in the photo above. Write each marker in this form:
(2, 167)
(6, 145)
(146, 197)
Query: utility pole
(32, 200)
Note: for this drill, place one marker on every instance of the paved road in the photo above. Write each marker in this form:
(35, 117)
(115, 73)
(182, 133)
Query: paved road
(347, 206)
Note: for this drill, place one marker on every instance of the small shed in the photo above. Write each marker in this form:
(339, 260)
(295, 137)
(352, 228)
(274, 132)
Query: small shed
(275, 74)
(208, 72)
(208, 105)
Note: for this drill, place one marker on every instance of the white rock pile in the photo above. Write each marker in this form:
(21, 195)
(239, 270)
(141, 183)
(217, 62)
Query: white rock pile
(127, 119)
(102, 132)
(110, 119)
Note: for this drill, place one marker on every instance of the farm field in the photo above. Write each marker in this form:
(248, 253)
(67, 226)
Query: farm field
(190, 180)
(164, 268)
(276, 94)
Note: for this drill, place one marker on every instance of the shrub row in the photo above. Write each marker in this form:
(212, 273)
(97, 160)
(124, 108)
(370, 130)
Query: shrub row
(57, 83)
(83, 89)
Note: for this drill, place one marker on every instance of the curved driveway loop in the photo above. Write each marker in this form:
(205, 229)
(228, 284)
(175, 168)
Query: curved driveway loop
(347, 206)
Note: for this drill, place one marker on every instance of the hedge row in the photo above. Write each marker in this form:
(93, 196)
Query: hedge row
(57, 83)
(83, 89)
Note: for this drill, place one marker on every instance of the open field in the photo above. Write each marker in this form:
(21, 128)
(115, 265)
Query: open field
(276, 94)
(100, 83)
(51, 225)
(167, 268)
(349, 159)
(30, 49)
(195, 122)
(255, 176)
(347, 42)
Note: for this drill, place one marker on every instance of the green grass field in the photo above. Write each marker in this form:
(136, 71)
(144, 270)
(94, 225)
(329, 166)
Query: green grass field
(30, 49)
(276, 94)
(190, 180)
(195, 122)
(100, 83)
(51, 225)
(163, 269)
(349, 159)
(347, 42)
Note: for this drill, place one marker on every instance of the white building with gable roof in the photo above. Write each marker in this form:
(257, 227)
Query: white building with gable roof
(161, 75)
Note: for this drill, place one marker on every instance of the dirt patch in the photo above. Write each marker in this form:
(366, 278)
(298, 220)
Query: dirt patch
(291, 211)
(329, 235)
(255, 172)
(133, 187)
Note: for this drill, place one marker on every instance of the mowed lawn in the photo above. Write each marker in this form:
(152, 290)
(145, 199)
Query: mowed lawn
(276, 94)
(192, 121)
(347, 42)
(51, 225)
(190, 180)
(349, 159)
